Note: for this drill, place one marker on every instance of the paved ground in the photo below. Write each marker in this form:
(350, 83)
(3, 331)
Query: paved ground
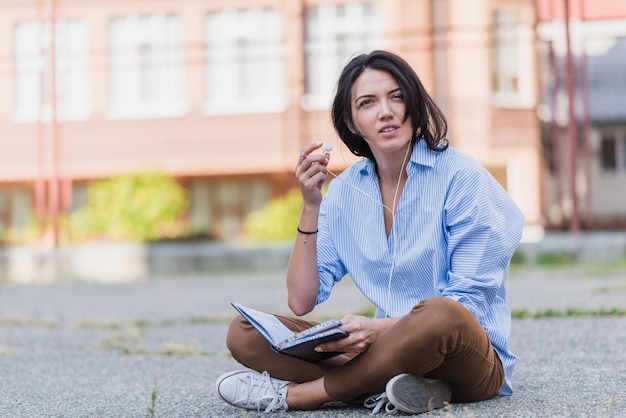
(89, 350)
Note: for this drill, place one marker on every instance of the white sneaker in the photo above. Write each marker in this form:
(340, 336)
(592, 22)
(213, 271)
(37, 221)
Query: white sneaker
(253, 390)
(378, 402)
(415, 394)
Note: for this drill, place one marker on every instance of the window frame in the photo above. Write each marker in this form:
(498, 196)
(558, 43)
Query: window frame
(139, 89)
(521, 35)
(618, 139)
(333, 34)
(250, 71)
(33, 71)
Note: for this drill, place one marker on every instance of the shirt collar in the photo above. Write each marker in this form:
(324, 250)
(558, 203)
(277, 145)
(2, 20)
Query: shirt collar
(421, 155)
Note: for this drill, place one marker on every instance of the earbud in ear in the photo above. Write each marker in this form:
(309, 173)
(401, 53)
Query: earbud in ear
(327, 148)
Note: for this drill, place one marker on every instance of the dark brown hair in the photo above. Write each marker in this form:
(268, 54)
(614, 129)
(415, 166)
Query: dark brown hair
(427, 119)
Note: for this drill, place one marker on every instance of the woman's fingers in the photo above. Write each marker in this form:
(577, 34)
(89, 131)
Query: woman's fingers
(311, 171)
(309, 163)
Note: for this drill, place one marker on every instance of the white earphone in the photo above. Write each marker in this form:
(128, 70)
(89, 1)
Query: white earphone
(329, 148)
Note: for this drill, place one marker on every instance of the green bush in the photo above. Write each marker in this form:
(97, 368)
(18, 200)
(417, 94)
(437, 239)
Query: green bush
(277, 220)
(554, 259)
(518, 258)
(33, 230)
(139, 207)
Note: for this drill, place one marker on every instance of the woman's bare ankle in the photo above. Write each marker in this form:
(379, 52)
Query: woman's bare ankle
(306, 396)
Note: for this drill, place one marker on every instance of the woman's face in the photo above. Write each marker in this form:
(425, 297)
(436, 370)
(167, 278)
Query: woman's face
(378, 110)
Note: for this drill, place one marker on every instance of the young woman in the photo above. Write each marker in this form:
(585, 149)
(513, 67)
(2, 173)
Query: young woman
(425, 233)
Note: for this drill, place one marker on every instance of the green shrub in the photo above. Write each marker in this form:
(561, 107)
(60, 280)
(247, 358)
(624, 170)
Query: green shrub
(554, 259)
(140, 207)
(277, 220)
(518, 258)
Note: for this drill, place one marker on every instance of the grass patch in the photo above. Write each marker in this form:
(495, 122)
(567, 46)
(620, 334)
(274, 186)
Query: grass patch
(146, 323)
(518, 258)
(368, 311)
(611, 289)
(151, 407)
(554, 259)
(131, 341)
(567, 313)
(171, 348)
(203, 320)
(110, 325)
(116, 341)
(100, 325)
(24, 322)
(142, 323)
(598, 269)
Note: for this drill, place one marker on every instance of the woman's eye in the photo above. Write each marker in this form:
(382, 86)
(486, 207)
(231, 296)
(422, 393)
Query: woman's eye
(398, 97)
(365, 102)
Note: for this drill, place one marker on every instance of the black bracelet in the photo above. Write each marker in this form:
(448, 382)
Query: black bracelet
(307, 233)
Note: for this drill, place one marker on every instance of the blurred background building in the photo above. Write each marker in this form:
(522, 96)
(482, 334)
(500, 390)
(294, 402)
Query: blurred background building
(223, 94)
(582, 51)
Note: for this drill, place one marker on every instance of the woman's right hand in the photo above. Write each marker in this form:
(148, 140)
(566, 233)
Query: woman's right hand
(302, 272)
(311, 172)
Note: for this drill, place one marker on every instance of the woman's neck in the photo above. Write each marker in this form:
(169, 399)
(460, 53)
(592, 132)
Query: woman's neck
(392, 168)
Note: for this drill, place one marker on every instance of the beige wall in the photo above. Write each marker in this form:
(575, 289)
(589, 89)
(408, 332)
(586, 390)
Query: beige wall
(504, 139)
(457, 74)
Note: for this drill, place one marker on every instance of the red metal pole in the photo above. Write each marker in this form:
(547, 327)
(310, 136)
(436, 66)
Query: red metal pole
(40, 183)
(571, 127)
(555, 131)
(588, 215)
(54, 149)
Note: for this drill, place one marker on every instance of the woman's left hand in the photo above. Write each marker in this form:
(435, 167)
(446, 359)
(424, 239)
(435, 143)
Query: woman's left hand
(363, 331)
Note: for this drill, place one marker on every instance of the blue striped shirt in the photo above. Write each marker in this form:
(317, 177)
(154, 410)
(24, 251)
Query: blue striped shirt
(454, 232)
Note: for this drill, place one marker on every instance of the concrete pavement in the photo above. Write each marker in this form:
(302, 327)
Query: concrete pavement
(93, 350)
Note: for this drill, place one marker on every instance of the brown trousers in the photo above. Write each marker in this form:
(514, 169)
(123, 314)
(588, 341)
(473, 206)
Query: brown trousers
(439, 339)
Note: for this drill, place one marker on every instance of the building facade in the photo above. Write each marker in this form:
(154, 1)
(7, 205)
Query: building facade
(223, 94)
(585, 147)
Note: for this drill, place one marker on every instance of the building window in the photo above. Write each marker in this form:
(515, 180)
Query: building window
(15, 211)
(511, 60)
(607, 153)
(245, 61)
(622, 153)
(613, 152)
(33, 71)
(147, 72)
(220, 207)
(333, 34)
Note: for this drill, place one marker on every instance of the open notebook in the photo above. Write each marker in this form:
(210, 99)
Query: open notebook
(283, 340)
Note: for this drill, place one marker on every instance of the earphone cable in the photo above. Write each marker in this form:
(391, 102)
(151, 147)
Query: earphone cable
(393, 220)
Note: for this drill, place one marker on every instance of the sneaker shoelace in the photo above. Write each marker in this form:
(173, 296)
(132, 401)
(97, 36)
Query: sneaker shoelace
(262, 389)
(377, 402)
